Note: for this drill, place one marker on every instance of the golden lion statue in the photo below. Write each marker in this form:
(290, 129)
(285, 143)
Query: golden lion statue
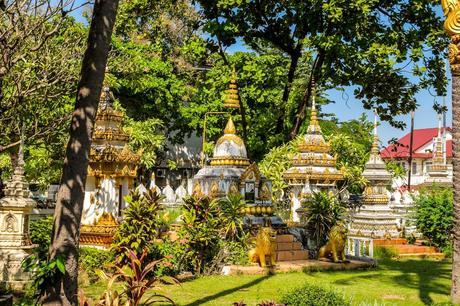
(265, 246)
(335, 247)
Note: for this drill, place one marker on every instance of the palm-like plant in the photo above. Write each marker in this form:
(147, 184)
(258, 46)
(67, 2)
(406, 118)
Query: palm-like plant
(141, 223)
(233, 211)
(137, 277)
(321, 214)
(200, 230)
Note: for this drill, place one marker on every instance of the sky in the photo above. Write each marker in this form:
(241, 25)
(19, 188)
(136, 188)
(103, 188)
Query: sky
(346, 107)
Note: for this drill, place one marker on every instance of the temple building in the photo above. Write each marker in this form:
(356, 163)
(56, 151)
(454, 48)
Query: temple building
(15, 244)
(430, 146)
(375, 219)
(230, 171)
(313, 168)
(111, 173)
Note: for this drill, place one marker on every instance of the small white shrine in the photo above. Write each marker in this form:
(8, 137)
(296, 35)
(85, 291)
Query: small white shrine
(111, 173)
(375, 219)
(15, 244)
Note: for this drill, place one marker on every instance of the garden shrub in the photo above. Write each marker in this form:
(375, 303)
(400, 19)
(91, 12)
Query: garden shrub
(200, 231)
(434, 215)
(40, 234)
(212, 233)
(311, 295)
(141, 226)
(382, 252)
(321, 214)
(91, 259)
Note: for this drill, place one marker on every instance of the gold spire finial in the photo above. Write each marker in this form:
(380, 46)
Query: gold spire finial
(313, 127)
(375, 142)
(230, 127)
(232, 99)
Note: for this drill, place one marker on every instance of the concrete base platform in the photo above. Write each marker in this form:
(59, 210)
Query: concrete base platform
(297, 266)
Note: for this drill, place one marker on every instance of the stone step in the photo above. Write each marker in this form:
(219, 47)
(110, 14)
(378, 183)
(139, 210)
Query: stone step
(288, 246)
(393, 241)
(414, 249)
(284, 238)
(291, 255)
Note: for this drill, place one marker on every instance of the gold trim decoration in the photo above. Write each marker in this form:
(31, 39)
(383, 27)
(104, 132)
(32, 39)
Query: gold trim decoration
(101, 232)
(252, 169)
(229, 161)
(259, 210)
(451, 9)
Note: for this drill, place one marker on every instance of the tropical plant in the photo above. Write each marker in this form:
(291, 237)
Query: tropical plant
(92, 259)
(43, 272)
(137, 278)
(141, 224)
(434, 214)
(322, 212)
(275, 162)
(200, 231)
(233, 210)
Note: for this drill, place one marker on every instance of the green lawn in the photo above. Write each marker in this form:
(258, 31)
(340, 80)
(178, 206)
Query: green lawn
(405, 282)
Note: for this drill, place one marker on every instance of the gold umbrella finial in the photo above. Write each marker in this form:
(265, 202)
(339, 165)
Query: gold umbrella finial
(232, 99)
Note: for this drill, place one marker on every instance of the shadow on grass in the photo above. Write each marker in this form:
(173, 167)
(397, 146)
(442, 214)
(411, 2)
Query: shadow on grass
(228, 291)
(427, 274)
(423, 275)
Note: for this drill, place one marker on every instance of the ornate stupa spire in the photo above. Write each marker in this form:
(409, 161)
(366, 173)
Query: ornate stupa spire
(232, 99)
(18, 188)
(439, 163)
(313, 163)
(376, 173)
(313, 127)
(375, 142)
(375, 218)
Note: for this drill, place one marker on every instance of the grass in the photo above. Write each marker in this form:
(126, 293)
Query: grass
(404, 282)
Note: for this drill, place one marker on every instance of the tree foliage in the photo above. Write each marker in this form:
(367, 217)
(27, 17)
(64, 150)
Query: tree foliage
(434, 215)
(375, 45)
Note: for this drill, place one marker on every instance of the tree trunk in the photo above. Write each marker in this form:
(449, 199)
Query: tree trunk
(455, 293)
(287, 88)
(69, 204)
(300, 115)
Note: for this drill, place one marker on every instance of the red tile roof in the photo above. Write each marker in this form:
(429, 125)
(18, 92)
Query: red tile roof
(421, 138)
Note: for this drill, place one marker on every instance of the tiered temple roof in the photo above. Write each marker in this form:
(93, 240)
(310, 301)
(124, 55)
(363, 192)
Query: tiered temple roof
(314, 162)
(110, 154)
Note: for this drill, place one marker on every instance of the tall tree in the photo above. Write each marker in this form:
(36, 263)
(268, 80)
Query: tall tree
(35, 78)
(69, 204)
(369, 44)
(451, 9)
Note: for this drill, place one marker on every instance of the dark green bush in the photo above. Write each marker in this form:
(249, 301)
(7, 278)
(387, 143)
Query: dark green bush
(434, 215)
(92, 259)
(311, 295)
(382, 252)
(40, 234)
